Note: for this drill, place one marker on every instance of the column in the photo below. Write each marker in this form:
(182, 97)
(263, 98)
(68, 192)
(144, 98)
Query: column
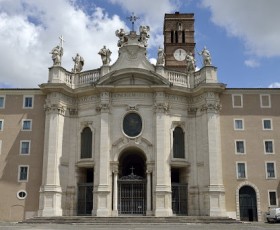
(149, 193)
(162, 167)
(50, 191)
(115, 195)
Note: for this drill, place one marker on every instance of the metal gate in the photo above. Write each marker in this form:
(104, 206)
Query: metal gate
(132, 195)
(85, 199)
(248, 204)
(180, 199)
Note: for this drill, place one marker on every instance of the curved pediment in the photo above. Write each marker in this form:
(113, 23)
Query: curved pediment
(133, 76)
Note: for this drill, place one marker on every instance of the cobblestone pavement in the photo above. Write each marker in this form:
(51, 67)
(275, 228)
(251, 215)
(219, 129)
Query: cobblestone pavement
(242, 226)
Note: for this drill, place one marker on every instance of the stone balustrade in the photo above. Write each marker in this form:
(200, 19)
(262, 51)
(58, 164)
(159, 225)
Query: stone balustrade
(207, 74)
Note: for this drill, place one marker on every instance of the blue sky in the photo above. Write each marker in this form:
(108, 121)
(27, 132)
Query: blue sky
(242, 36)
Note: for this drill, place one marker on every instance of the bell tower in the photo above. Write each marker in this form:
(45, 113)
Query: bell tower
(178, 31)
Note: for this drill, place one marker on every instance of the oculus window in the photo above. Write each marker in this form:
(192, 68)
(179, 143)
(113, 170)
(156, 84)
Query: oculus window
(132, 124)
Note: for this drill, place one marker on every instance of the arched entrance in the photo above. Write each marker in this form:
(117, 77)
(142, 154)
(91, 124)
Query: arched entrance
(132, 183)
(248, 204)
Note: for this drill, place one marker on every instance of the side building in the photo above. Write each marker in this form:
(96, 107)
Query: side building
(133, 138)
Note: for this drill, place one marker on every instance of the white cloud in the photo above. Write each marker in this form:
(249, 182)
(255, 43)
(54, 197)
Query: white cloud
(30, 29)
(252, 63)
(256, 22)
(274, 85)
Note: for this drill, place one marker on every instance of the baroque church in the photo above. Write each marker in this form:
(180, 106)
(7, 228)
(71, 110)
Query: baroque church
(133, 138)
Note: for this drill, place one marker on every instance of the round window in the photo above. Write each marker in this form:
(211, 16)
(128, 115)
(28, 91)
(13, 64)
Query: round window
(21, 194)
(132, 124)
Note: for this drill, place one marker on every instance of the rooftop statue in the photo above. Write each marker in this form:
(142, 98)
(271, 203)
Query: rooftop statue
(57, 53)
(78, 64)
(121, 35)
(161, 57)
(206, 56)
(105, 55)
(190, 61)
(144, 36)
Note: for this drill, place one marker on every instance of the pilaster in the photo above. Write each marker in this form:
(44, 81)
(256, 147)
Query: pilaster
(50, 191)
(162, 167)
(216, 193)
(103, 190)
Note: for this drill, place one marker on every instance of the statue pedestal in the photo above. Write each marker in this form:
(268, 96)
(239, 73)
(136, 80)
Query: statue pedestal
(105, 69)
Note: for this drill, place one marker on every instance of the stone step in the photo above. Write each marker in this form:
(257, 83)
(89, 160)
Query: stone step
(130, 219)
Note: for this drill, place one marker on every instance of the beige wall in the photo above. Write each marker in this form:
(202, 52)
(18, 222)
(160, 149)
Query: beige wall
(11, 208)
(253, 134)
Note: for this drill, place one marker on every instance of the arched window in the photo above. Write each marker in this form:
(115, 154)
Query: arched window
(86, 143)
(178, 143)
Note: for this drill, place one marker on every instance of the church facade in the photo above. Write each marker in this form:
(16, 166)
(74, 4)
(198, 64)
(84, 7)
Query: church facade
(132, 138)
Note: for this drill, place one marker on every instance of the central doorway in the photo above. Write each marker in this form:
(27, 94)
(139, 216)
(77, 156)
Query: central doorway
(248, 204)
(132, 183)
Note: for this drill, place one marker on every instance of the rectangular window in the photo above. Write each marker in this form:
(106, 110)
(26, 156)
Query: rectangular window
(241, 170)
(27, 125)
(23, 173)
(25, 147)
(238, 124)
(270, 170)
(237, 101)
(1, 125)
(265, 101)
(240, 147)
(28, 102)
(267, 124)
(2, 102)
(268, 147)
(272, 198)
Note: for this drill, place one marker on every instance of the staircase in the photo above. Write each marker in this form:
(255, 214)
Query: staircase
(129, 219)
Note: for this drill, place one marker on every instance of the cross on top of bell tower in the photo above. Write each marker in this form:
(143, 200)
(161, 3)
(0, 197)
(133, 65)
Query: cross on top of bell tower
(133, 19)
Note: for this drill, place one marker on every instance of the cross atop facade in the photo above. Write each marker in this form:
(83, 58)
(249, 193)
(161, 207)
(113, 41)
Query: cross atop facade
(133, 19)
(132, 168)
(61, 41)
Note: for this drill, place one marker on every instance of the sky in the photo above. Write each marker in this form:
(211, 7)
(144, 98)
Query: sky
(243, 36)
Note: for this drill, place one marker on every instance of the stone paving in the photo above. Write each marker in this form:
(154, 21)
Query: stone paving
(240, 226)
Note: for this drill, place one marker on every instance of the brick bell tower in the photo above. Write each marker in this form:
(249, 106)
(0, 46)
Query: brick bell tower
(178, 31)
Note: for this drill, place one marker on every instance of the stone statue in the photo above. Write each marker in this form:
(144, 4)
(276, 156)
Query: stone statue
(161, 57)
(105, 55)
(206, 56)
(190, 61)
(144, 36)
(57, 53)
(78, 64)
(121, 35)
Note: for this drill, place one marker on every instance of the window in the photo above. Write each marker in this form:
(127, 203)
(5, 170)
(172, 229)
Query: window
(272, 198)
(28, 102)
(270, 170)
(26, 125)
(2, 102)
(22, 194)
(265, 101)
(23, 173)
(267, 124)
(237, 101)
(178, 143)
(240, 147)
(86, 143)
(1, 125)
(238, 124)
(268, 147)
(25, 147)
(241, 170)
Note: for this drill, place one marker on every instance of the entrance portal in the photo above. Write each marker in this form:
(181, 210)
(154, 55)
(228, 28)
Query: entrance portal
(132, 184)
(248, 204)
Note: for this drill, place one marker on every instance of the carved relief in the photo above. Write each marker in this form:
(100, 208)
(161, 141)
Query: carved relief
(211, 107)
(161, 107)
(55, 108)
